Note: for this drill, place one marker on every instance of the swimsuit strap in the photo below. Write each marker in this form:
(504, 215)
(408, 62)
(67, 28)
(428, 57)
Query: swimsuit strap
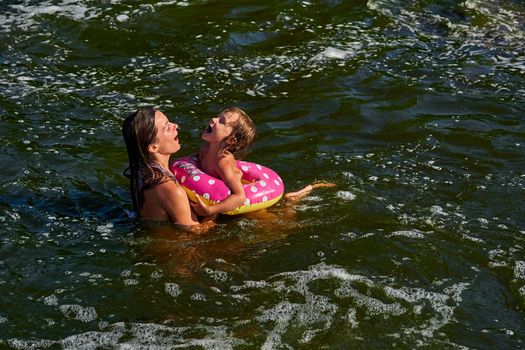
(166, 172)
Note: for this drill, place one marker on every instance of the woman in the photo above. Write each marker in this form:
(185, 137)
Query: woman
(150, 140)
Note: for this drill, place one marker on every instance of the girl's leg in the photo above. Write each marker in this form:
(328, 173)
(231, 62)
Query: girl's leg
(303, 192)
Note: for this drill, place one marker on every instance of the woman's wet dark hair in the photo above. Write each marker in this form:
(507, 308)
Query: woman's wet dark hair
(139, 131)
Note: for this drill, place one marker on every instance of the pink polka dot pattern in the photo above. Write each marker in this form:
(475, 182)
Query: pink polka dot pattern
(261, 184)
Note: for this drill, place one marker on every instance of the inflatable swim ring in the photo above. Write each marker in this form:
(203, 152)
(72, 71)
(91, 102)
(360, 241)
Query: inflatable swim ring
(262, 186)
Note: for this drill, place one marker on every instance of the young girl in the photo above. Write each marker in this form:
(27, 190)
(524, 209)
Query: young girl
(228, 136)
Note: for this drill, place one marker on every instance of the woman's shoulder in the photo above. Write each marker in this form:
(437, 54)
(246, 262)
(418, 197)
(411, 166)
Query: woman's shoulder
(168, 200)
(159, 198)
(168, 189)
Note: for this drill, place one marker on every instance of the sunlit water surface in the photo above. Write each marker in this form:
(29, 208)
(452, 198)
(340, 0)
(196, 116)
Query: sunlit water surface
(415, 111)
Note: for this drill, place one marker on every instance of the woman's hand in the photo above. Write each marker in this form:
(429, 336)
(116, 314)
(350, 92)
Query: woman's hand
(201, 208)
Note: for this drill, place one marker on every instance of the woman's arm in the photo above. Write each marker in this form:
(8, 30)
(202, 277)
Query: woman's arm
(174, 201)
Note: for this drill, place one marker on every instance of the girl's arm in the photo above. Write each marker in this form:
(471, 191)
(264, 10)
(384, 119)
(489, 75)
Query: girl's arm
(229, 173)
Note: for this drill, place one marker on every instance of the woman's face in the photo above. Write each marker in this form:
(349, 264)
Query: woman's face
(167, 141)
(220, 127)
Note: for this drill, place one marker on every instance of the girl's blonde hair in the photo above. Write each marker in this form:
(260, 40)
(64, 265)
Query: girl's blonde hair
(242, 135)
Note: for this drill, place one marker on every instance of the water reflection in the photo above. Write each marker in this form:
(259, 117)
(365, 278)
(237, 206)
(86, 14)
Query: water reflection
(185, 254)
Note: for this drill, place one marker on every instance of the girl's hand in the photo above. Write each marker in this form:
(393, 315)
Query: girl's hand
(201, 208)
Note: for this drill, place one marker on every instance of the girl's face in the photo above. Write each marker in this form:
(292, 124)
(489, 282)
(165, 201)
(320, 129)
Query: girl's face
(220, 127)
(167, 135)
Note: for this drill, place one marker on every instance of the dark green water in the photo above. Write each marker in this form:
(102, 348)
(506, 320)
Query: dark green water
(415, 109)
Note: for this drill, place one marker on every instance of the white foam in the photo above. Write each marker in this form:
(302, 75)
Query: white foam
(173, 289)
(348, 235)
(122, 18)
(374, 307)
(352, 318)
(29, 344)
(332, 53)
(417, 298)
(312, 198)
(323, 271)
(437, 210)
(24, 78)
(473, 239)
(455, 290)
(182, 70)
(198, 297)
(218, 276)
(78, 312)
(51, 300)
(92, 340)
(441, 303)
(316, 313)
(497, 253)
(250, 285)
(519, 270)
(149, 335)
(416, 234)
(345, 195)
(105, 229)
(27, 15)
